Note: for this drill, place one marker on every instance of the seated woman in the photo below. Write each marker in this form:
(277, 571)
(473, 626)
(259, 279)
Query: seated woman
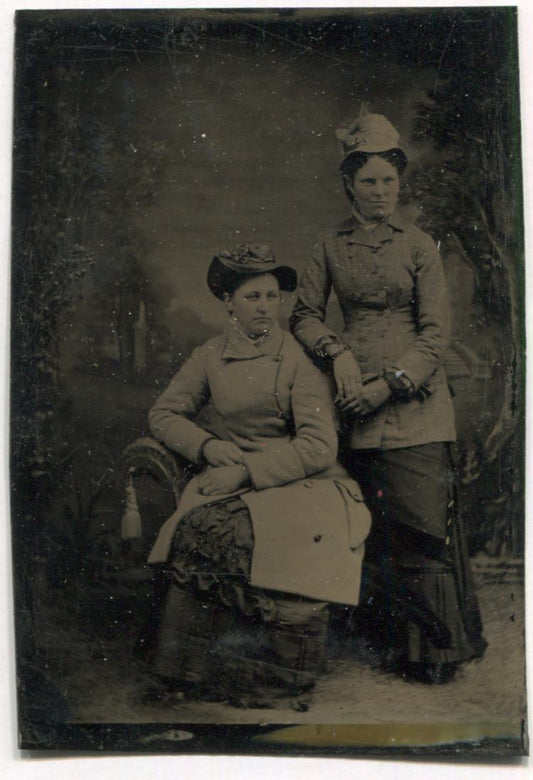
(273, 528)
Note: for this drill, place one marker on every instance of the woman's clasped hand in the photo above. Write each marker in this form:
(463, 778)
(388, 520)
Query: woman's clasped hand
(222, 479)
(365, 400)
(227, 471)
(222, 453)
(354, 398)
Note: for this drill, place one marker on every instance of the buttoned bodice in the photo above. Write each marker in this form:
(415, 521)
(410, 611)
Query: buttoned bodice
(392, 293)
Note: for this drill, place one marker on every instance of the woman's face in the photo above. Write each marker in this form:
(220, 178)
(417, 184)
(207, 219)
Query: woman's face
(255, 304)
(375, 188)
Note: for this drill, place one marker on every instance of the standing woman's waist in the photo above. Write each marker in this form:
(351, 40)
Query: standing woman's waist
(377, 340)
(374, 320)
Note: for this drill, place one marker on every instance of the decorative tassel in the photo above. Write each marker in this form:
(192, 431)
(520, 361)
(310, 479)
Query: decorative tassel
(131, 521)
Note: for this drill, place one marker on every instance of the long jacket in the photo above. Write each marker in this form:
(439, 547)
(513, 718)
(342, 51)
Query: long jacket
(308, 515)
(391, 289)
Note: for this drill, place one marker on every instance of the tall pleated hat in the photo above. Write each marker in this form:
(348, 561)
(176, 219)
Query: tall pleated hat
(370, 134)
(248, 260)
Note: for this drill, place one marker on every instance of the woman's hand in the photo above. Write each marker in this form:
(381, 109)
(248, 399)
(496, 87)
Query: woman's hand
(224, 479)
(347, 377)
(221, 453)
(367, 399)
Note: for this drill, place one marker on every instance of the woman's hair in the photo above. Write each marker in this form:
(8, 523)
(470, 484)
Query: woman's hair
(357, 160)
(232, 280)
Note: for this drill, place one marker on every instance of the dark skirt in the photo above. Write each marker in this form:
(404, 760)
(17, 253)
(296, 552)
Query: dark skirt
(418, 590)
(221, 635)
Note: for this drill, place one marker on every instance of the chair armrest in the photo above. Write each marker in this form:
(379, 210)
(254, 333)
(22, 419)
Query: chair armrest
(147, 456)
(158, 477)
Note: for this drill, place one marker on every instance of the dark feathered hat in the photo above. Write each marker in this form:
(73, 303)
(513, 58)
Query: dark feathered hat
(248, 260)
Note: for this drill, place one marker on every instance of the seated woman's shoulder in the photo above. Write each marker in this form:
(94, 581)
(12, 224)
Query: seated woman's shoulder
(294, 347)
(298, 353)
(211, 348)
(216, 341)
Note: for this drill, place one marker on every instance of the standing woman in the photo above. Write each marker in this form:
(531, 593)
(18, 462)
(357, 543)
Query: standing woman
(398, 418)
(272, 530)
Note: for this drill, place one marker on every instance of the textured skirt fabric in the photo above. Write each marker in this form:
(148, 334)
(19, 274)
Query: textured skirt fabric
(418, 580)
(220, 633)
